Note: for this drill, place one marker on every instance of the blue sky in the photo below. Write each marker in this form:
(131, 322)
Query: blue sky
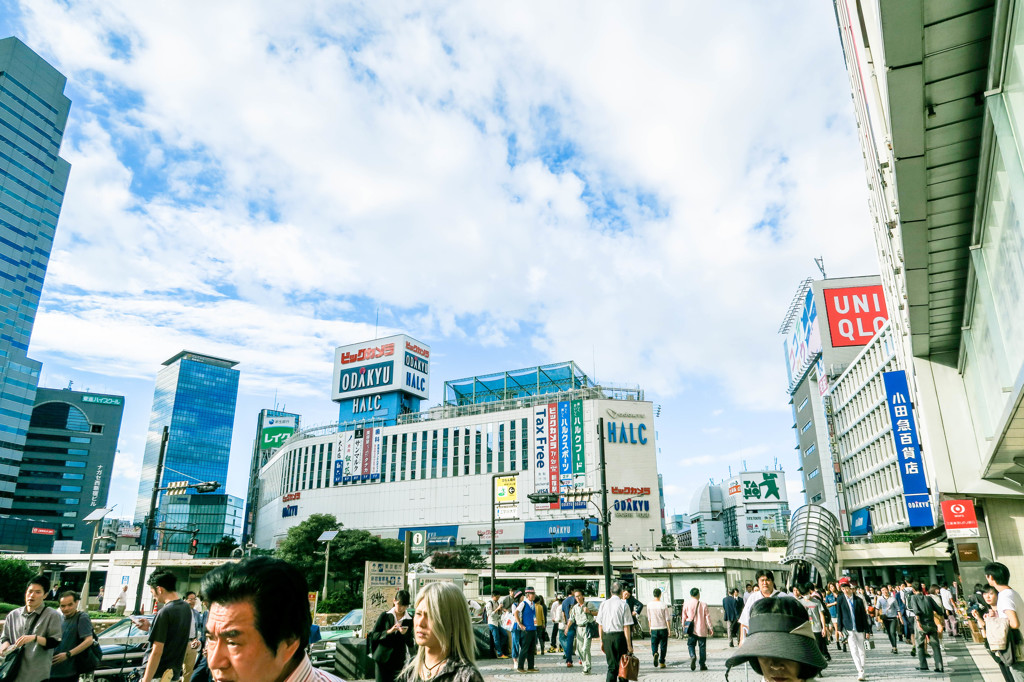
(637, 187)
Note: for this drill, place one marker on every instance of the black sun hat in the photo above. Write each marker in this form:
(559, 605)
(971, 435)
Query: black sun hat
(779, 628)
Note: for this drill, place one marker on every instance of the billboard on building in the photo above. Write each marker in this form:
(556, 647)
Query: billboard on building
(908, 450)
(275, 431)
(803, 341)
(756, 486)
(855, 314)
(371, 368)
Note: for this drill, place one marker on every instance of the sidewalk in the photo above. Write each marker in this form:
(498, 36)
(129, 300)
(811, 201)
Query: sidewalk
(962, 662)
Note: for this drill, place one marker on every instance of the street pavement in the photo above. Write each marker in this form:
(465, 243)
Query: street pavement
(962, 662)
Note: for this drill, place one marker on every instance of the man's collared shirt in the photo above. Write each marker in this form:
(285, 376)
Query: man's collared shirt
(307, 673)
(658, 615)
(755, 597)
(614, 615)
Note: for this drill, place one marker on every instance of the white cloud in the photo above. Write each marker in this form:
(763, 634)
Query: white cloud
(639, 187)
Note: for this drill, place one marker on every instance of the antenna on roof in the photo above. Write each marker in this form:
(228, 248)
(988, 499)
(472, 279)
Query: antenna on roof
(730, 471)
(820, 262)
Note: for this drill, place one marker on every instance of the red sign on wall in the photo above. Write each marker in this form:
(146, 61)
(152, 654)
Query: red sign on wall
(959, 518)
(42, 531)
(854, 314)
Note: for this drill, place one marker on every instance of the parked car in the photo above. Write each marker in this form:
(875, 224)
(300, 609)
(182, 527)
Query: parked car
(350, 625)
(124, 645)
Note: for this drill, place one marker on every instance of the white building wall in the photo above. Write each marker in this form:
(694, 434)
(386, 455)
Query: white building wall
(465, 500)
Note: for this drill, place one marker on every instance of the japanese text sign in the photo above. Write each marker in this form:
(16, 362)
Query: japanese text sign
(908, 451)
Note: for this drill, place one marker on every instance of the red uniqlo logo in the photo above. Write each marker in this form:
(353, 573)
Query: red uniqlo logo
(854, 314)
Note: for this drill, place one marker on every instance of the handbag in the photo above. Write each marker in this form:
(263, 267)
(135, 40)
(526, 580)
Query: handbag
(592, 629)
(997, 632)
(688, 627)
(89, 660)
(12, 661)
(629, 667)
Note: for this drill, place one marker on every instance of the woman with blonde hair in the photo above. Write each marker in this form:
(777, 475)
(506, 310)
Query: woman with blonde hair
(442, 629)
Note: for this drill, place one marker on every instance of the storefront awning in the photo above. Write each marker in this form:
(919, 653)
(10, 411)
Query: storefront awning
(935, 535)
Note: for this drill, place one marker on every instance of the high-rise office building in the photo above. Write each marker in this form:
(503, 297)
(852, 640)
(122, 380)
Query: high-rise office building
(195, 398)
(33, 112)
(68, 457)
(216, 517)
(273, 428)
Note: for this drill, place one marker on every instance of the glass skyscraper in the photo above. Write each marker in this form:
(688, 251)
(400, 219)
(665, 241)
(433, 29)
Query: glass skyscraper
(216, 516)
(33, 112)
(195, 397)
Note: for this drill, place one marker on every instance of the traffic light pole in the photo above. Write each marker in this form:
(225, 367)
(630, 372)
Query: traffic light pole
(494, 504)
(606, 548)
(148, 532)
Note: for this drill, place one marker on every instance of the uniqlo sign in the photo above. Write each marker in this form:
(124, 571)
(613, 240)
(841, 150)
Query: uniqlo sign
(854, 314)
(959, 518)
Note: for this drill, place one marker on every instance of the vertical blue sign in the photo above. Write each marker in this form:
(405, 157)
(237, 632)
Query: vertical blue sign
(565, 478)
(339, 470)
(908, 450)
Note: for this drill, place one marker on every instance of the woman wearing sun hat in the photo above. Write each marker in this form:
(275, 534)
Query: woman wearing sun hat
(780, 643)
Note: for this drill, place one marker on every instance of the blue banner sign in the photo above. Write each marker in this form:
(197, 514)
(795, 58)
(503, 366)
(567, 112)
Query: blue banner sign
(908, 450)
(860, 523)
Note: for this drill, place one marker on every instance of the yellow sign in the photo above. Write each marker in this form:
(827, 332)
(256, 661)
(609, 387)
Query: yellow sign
(506, 491)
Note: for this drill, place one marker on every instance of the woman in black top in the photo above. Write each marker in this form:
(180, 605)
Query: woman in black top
(391, 638)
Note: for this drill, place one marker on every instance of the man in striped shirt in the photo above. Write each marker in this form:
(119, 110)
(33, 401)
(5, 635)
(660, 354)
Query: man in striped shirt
(259, 622)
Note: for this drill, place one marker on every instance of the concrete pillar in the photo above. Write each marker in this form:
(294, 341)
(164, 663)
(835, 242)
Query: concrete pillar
(932, 576)
(886, 575)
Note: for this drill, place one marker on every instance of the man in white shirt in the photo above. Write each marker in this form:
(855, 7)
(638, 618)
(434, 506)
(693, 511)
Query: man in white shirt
(949, 606)
(765, 588)
(1008, 606)
(613, 621)
(748, 593)
(658, 617)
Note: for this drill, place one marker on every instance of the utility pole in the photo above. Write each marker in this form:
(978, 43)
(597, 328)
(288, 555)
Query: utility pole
(494, 503)
(606, 555)
(148, 532)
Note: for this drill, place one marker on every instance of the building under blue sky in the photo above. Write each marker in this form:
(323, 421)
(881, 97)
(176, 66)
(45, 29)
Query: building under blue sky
(195, 397)
(33, 111)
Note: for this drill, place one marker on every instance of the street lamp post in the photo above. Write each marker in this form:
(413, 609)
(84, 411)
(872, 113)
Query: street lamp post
(653, 546)
(606, 556)
(95, 517)
(327, 536)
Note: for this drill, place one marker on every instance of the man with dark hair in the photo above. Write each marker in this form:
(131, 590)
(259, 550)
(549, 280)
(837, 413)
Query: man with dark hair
(493, 610)
(925, 609)
(765, 588)
(193, 652)
(658, 617)
(76, 638)
(169, 631)
(1008, 606)
(259, 622)
(36, 628)
(614, 619)
(731, 607)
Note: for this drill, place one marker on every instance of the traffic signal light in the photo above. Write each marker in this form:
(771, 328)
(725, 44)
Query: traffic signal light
(193, 546)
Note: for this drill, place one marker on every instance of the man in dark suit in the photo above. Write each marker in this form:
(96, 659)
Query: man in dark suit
(732, 605)
(852, 619)
(925, 611)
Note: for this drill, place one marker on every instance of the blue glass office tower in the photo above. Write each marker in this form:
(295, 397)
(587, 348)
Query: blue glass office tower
(195, 397)
(33, 112)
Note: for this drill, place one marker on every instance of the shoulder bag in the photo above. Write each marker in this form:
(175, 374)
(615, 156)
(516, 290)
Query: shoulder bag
(89, 660)
(629, 667)
(12, 661)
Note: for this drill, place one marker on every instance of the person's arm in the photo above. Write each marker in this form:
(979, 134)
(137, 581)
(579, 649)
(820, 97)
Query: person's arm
(1011, 616)
(156, 651)
(628, 631)
(517, 613)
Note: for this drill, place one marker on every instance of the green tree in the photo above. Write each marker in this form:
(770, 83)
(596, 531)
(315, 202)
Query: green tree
(557, 564)
(14, 576)
(224, 546)
(350, 551)
(524, 565)
(465, 556)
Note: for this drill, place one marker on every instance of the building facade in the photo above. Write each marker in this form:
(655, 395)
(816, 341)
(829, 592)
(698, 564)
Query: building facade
(936, 92)
(535, 430)
(68, 459)
(195, 398)
(33, 177)
(740, 511)
(214, 515)
(827, 325)
(273, 428)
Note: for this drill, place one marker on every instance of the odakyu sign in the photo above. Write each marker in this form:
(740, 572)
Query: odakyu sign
(381, 366)
(855, 314)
